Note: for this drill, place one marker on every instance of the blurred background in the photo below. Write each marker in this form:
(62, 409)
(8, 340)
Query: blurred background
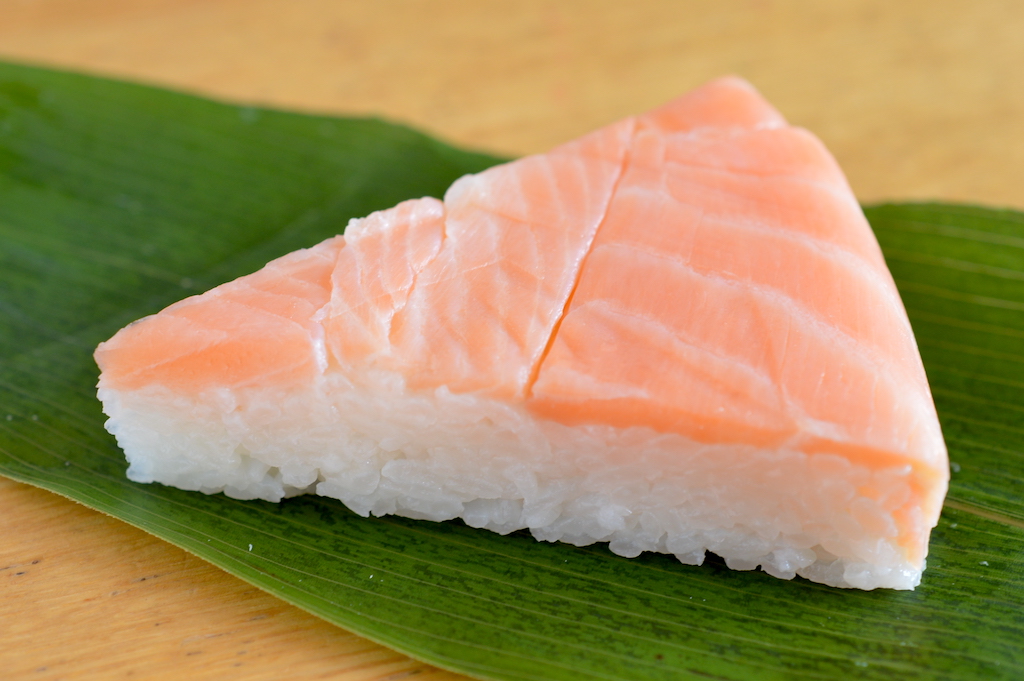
(918, 101)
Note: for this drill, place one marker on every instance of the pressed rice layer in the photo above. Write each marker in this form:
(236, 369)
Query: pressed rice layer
(438, 456)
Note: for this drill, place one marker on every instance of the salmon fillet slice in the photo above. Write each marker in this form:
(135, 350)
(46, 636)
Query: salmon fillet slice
(674, 334)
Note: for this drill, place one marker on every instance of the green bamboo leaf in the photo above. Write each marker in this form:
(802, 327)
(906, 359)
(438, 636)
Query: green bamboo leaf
(116, 200)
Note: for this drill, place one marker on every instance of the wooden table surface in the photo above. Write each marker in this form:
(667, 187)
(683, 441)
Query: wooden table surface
(918, 100)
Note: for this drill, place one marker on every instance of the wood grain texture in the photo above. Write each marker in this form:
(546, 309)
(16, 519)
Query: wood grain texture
(918, 100)
(85, 596)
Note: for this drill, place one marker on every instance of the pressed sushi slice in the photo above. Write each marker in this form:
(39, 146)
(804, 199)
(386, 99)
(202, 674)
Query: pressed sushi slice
(675, 334)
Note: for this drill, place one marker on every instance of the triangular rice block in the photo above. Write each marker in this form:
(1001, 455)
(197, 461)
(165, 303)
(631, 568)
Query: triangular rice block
(675, 334)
